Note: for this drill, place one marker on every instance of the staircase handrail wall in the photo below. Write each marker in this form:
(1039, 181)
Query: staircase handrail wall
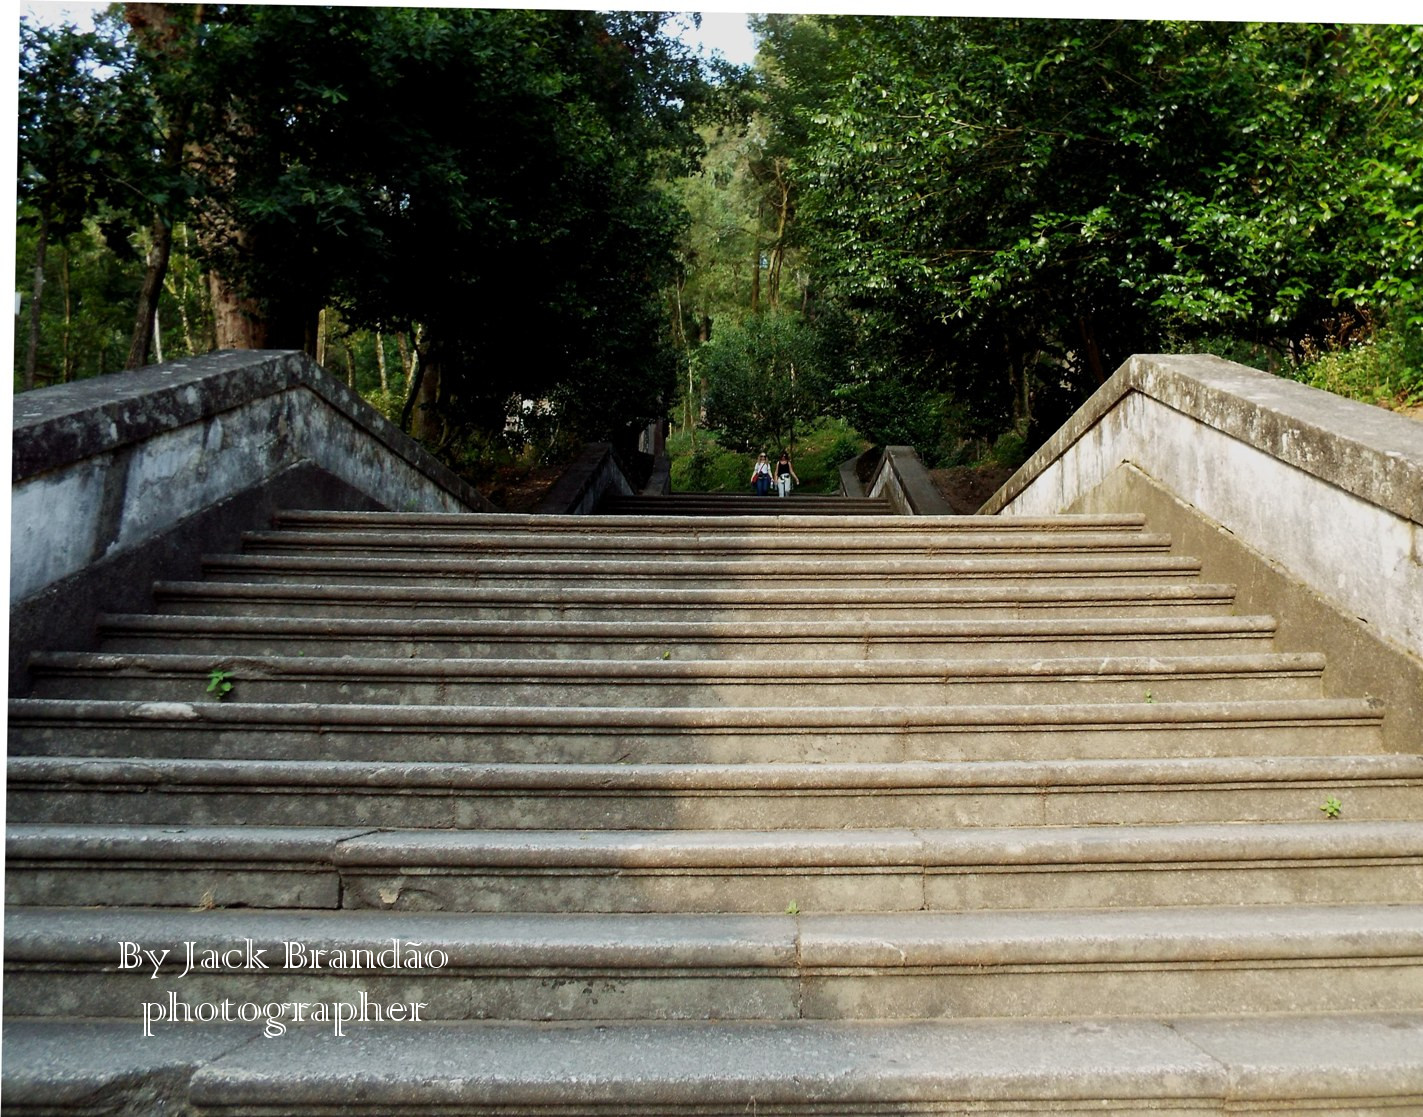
(901, 478)
(127, 479)
(1326, 488)
(107, 465)
(583, 484)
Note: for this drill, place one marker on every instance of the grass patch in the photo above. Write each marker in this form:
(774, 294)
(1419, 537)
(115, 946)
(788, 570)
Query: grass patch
(710, 468)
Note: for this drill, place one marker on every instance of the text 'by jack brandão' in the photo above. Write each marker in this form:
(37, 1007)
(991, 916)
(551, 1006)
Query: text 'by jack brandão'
(192, 958)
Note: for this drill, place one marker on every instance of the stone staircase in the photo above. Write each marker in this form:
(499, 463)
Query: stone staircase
(706, 815)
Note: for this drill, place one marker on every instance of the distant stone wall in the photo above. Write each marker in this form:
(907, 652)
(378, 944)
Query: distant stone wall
(900, 477)
(1311, 503)
(591, 477)
(114, 478)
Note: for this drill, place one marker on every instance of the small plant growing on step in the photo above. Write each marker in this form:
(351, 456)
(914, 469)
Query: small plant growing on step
(793, 908)
(219, 683)
(1331, 807)
(1149, 698)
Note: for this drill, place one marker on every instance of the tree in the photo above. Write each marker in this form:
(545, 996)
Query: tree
(66, 142)
(763, 381)
(165, 37)
(1017, 205)
(490, 174)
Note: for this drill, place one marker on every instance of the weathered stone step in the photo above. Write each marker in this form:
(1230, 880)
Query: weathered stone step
(680, 682)
(728, 735)
(881, 526)
(1326, 1063)
(723, 574)
(879, 870)
(1054, 965)
(816, 870)
(200, 868)
(657, 640)
(706, 545)
(733, 504)
(758, 599)
(784, 795)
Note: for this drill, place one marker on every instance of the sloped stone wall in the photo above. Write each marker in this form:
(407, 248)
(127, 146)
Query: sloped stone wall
(127, 478)
(1312, 504)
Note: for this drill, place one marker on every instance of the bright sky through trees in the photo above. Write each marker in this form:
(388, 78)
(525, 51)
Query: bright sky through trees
(721, 32)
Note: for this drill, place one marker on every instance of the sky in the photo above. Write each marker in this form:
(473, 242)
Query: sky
(724, 30)
(721, 32)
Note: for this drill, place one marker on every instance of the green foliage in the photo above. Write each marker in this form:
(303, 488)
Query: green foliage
(493, 177)
(86, 311)
(1385, 368)
(76, 122)
(219, 683)
(700, 464)
(1006, 209)
(763, 380)
(489, 173)
(1332, 807)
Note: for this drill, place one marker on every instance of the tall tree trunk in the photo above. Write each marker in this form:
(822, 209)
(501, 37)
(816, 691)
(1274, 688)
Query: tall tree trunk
(756, 281)
(32, 347)
(778, 249)
(66, 367)
(403, 348)
(1091, 348)
(180, 293)
(414, 376)
(1016, 387)
(380, 364)
(146, 315)
(163, 31)
(321, 337)
(421, 416)
(237, 322)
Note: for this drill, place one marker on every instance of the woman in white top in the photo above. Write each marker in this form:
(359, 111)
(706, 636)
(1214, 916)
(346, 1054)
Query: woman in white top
(761, 476)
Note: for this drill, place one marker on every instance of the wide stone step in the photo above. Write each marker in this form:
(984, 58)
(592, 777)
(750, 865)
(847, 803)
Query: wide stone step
(680, 682)
(729, 735)
(912, 965)
(685, 640)
(730, 504)
(1325, 1063)
(695, 548)
(871, 870)
(193, 867)
(784, 795)
(880, 870)
(852, 572)
(757, 600)
(884, 526)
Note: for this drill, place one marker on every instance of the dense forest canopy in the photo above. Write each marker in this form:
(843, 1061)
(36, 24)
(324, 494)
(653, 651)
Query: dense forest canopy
(507, 225)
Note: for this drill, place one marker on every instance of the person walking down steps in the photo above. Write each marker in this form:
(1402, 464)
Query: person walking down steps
(785, 474)
(761, 476)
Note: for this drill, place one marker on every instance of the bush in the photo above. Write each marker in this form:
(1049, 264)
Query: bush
(1386, 369)
(709, 467)
(763, 383)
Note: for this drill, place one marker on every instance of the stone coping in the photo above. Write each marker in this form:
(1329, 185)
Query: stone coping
(67, 423)
(1368, 452)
